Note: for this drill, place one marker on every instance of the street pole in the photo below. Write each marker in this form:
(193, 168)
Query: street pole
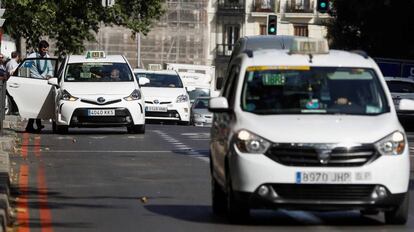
(138, 36)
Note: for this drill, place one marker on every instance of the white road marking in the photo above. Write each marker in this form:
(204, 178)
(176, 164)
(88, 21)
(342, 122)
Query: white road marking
(101, 151)
(97, 137)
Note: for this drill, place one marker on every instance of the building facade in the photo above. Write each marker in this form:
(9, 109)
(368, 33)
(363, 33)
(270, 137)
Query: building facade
(232, 19)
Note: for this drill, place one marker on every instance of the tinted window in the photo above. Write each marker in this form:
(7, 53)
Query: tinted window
(98, 72)
(201, 104)
(400, 86)
(160, 80)
(318, 90)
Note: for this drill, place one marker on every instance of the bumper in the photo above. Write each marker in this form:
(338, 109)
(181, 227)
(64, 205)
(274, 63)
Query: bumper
(250, 171)
(75, 114)
(175, 112)
(257, 201)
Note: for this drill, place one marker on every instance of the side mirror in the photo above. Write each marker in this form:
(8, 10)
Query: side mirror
(53, 81)
(218, 105)
(406, 105)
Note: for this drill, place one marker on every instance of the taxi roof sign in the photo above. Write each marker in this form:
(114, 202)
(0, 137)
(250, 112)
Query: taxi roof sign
(95, 54)
(309, 46)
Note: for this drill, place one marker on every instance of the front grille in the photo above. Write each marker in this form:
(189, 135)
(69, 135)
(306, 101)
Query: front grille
(323, 191)
(161, 103)
(101, 104)
(168, 114)
(310, 156)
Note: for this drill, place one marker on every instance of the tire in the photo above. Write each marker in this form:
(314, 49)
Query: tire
(238, 211)
(184, 123)
(399, 215)
(218, 198)
(136, 129)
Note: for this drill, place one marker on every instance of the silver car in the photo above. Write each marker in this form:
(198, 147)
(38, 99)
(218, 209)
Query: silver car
(402, 88)
(200, 116)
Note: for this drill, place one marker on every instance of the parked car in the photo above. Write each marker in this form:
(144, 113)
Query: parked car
(200, 116)
(166, 98)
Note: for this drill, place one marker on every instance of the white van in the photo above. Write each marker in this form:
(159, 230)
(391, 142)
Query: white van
(165, 96)
(308, 128)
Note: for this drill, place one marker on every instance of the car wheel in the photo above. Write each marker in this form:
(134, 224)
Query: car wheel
(399, 215)
(218, 197)
(184, 123)
(136, 129)
(237, 210)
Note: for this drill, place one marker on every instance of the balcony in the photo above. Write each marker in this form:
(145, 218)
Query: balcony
(223, 51)
(263, 6)
(299, 6)
(231, 7)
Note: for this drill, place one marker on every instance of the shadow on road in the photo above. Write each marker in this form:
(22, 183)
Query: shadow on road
(203, 214)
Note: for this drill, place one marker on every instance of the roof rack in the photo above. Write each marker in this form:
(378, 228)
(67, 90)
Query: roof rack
(361, 53)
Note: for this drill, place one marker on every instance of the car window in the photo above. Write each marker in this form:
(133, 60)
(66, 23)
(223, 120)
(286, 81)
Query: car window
(400, 86)
(160, 80)
(37, 68)
(98, 72)
(313, 90)
(201, 104)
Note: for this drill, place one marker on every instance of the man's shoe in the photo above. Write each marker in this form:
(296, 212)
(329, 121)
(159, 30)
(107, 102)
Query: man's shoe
(30, 129)
(39, 128)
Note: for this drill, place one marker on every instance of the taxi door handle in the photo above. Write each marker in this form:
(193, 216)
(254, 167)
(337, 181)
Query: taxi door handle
(14, 85)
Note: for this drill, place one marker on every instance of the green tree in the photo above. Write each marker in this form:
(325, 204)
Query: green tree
(381, 28)
(71, 22)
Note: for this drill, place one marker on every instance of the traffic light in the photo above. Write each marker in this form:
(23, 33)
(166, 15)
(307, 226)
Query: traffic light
(271, 24)
(323, 6)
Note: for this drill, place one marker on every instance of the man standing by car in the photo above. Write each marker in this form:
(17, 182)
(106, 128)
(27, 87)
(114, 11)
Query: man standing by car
(41, 69)
(13, 63)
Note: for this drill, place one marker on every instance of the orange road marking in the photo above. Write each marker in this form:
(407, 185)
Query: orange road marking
(25, 145)
(37, 146)
(22, 203)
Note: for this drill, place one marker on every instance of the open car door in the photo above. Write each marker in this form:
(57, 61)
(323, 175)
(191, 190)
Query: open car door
(29, 88)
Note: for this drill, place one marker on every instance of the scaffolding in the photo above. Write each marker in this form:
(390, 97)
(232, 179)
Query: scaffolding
(180, 36)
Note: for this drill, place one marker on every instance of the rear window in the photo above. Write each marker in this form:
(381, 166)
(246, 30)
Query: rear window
(400, 86)
(159, 80)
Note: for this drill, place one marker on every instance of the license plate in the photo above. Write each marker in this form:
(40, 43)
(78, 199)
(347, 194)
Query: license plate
(156, 108)
(101, 112)
(323, 177)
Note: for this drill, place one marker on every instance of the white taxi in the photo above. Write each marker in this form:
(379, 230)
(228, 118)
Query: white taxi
(165, 96)
(92, 90)
(308, 128)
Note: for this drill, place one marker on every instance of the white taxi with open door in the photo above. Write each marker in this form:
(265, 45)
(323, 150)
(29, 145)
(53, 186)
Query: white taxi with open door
(87, 91)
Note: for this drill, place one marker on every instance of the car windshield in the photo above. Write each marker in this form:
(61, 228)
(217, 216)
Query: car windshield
(98, 72)
(201, 104)
(313, 90)
(159, 80)
(198, 92)
(400, 86)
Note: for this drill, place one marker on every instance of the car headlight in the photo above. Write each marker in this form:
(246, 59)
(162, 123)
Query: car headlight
(135, 95)
(182, 98)
(393, 144)
(66, 96)
(248, 142)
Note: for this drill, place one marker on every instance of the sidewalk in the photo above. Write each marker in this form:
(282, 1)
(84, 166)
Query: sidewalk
(8, 145)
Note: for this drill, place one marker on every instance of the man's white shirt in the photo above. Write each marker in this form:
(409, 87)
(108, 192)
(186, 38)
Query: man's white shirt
(11, 66)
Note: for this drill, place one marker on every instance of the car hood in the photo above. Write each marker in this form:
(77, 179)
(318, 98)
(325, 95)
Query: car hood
(155, 92)
(110, 88)
(320, 128)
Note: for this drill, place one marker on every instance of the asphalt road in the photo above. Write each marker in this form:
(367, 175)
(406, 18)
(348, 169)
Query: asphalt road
(108, 180)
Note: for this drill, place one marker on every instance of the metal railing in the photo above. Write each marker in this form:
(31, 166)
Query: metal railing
(230, 6)
(263, 6)
(224, 50)
(296, 7)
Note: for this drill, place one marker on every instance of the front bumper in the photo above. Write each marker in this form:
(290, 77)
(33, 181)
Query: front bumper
(75, 114)
(202, 121)
(175, 112)
(250, 171)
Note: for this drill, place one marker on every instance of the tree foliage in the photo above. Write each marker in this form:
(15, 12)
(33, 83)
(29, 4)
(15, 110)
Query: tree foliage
(381, 27)
(71, 22)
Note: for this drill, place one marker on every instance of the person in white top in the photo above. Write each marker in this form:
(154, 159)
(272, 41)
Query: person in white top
(13, 63)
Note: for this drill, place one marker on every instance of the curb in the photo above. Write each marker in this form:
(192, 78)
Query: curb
(8, 143)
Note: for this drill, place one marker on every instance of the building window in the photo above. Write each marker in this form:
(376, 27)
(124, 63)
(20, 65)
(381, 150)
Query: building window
(231, 35)
(301, 30)
(263, 29)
